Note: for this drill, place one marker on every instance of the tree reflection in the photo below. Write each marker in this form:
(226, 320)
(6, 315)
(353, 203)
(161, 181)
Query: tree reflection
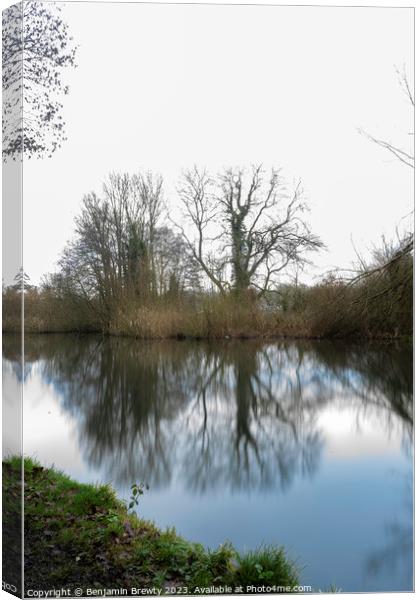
(231, 414)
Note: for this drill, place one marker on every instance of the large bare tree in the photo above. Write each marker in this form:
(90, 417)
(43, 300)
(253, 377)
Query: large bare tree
(244, 228)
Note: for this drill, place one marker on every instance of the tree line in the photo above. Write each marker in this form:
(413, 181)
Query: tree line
(221, 267)
(238, 231)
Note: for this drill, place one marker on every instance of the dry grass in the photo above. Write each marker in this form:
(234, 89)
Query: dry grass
(328, 310)
(212, 317)
(46, 314)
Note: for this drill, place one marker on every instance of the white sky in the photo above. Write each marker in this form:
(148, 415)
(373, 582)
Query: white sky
(162, 87)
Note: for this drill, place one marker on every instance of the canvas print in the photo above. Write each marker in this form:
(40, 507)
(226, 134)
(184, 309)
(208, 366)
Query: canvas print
(207, 299)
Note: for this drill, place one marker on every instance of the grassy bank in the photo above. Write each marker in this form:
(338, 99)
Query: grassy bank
(92, 540)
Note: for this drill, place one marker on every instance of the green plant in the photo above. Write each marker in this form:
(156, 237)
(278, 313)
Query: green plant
(137, 490)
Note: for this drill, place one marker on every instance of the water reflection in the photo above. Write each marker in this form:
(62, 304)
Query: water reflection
(304, 444)
(237, 415)
(395, 557)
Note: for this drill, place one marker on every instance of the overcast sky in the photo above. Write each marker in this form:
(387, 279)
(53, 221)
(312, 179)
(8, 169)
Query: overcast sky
(162, 87)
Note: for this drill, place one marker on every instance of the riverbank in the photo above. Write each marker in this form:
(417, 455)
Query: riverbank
(321, 315)
(93, 541)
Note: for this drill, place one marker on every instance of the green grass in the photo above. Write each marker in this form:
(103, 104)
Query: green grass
(93, 541)
(268, 566)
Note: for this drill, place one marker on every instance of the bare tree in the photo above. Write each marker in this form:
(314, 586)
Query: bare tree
(135, 204)
(393, 264)
(112, 253)
(174, 270)
(246, 228)
(406, 156)
(147, 193)
(201, 211)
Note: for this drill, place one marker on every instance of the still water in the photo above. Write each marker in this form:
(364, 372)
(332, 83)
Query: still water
(303, 444)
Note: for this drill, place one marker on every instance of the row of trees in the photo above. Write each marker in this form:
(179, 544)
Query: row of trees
(238, 231)
(220, 268)
(122, 248)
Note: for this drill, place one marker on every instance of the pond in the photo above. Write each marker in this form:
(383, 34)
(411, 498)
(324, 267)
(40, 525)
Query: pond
(306, 444)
